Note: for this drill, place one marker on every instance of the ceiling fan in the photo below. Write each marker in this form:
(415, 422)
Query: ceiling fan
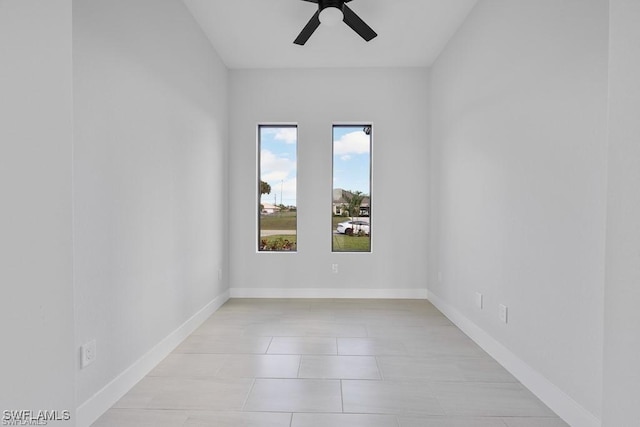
(330, 12)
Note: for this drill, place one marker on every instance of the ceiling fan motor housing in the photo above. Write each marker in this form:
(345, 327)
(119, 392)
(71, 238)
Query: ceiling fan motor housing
(323, 4)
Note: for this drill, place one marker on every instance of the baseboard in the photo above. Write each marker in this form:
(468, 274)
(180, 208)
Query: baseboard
(94, 407)
(328, 293)
(562, 404)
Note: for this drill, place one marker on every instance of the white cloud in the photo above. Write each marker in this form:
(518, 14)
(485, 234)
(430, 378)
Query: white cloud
(345, 158)
(275, 176)
(289, 188)
(352, 143)
(280, 173)
(279, 166)
(288, 135)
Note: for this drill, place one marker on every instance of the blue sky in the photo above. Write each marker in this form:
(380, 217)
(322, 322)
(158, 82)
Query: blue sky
(278, 164)
(278, 161)
(351, 158)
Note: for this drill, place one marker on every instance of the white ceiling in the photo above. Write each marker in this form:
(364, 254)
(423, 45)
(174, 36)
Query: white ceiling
(260, 33)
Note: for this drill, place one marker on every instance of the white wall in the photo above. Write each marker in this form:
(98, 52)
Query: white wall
(622, 290)
(37, 360)
(519, 186)
(149, 178)
(395, 101)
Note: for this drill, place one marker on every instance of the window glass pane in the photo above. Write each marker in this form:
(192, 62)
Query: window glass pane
(277, 212)
(351, 205)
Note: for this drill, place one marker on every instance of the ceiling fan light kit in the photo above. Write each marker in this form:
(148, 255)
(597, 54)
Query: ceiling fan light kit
(331, 16)
(330, 12)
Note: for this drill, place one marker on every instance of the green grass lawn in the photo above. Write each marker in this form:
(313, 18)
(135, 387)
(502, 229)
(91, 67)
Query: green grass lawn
(343, 243)
(278, 221)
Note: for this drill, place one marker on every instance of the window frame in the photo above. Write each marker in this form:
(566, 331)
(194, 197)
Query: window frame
(259, 127)
(354, 124)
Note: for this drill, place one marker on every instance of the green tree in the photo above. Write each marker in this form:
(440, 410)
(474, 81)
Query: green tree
(265, 188)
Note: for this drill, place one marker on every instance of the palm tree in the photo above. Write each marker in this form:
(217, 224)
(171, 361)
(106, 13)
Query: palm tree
(354, 200)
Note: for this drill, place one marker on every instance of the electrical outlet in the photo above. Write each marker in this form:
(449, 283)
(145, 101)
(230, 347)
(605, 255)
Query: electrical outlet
(479, 300)
(502, 313)
(334, 268)
(88, 353)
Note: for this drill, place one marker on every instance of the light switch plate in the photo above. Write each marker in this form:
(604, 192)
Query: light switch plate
(479, 300)
(502, 313)
(88, 353)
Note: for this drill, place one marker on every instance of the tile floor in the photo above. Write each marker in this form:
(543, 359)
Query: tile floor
(334, 363)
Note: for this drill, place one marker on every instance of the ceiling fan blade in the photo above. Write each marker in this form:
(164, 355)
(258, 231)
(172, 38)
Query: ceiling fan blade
(357, 24)
(308, 29)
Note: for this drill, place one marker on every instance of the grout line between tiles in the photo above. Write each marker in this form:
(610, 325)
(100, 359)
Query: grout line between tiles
(378, 366)
(246, 399)
(299, 366)
(268, 346)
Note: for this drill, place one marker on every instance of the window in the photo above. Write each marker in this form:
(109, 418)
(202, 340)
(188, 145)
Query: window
(351, 204)
(277, 211)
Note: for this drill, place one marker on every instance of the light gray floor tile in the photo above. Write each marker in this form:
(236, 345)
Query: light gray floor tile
(451, 422)
(343, 420)
(222, 328)
(339, 367)
(224, 345)
(371, 347)
(141, 418)
(190, 365)
(141, 394)
(379, 320)
(422, 332)
(483, 370)
(443, 341)
(395, 368)
(386, 330)
(274, 329)
(260, 366)
(303, 327)
(303, 345)
(389, 397)
(187, 393)
(534, 422)
(210, 394)
(327, 362)
(443, 368)
(237, 419)
(489, 399)
(299, 395)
